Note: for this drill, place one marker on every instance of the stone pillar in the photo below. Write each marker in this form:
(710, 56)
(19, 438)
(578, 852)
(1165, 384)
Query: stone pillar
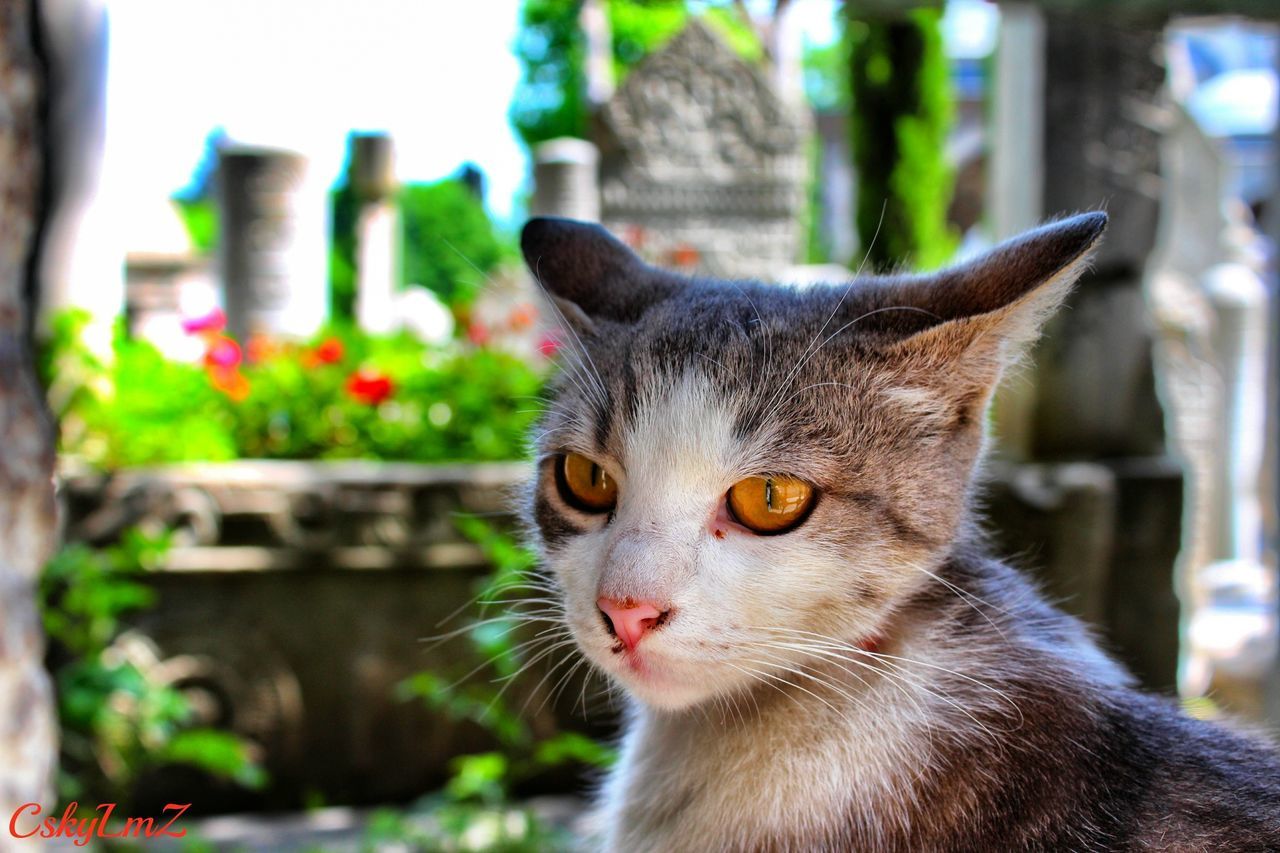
(1094, 374)
(1089, 89)
(273, 250)
(82, 253)
(377, 231)
(1016, 178)
(1239, 338)
(565, 179)
(1015, 183)
(28, 727)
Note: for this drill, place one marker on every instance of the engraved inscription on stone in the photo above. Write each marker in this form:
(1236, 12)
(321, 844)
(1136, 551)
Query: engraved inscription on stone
(271, 253)
(702, 164)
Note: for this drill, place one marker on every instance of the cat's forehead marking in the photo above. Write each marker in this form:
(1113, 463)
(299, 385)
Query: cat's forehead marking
(684, 429)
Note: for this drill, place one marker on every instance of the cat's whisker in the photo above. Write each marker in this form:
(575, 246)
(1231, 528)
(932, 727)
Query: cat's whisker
(769, 678)
(602, 401)
(513, 624)
(808, 671)
(804, 358)
(551, 670)
(558, 688)
(901, 671)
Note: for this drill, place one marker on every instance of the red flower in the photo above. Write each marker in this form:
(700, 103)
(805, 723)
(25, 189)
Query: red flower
(549, 345)
(370, 386)
(223, 352)
(329, 351)
(230, 381)
(260, 348)
(684, 256)
(522, 316)
(214, 321)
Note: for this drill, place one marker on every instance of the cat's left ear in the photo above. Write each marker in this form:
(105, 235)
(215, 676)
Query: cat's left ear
(591, 274)
(986, 312)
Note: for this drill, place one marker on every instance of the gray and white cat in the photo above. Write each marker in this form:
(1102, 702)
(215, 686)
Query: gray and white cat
(756, 505)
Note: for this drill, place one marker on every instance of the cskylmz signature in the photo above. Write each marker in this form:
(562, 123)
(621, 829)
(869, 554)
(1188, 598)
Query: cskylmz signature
(26, 823)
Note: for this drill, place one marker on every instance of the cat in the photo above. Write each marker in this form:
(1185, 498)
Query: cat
(756, 507)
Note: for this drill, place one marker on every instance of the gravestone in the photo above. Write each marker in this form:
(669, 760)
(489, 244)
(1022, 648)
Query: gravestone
(702, 164)
(272, 253)
(377, 231)
(564, 179)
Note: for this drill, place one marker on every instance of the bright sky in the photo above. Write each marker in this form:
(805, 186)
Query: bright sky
(438, 76)
(300, 74)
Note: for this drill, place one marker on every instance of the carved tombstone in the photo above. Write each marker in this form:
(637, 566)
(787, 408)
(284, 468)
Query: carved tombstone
(272, 246)
(377, 231)
(702, 164)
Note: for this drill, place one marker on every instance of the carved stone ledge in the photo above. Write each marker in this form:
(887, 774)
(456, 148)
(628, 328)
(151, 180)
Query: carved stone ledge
(261, 515)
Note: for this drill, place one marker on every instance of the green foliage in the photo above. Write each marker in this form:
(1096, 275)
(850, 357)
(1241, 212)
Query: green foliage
(346, 395)
(444, 827)
(551, 99)
(138, 410)
(901, 112)
(200, 218)
(450, 245)
(826, 76)
(117, 721)
(343, 208)
(483, 782)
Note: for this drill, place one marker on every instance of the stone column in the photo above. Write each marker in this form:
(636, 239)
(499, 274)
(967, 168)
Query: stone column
(1015, 183)
(273, 250)
(1089, 89)
(28, 729)
(377, 231)
(565, 179)
(1016, 179)
(1094, 375)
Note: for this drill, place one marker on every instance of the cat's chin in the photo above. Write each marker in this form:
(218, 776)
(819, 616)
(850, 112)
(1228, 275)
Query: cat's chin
(661, 685)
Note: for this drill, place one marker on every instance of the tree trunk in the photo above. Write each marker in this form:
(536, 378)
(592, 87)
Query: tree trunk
(27, 515)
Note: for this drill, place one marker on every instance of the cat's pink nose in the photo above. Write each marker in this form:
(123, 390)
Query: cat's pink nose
(629, 619)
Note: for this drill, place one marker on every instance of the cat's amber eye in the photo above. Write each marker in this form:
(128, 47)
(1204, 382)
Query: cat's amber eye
(770, 504)
(585, 485)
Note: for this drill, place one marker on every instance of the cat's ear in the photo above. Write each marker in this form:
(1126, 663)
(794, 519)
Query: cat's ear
(992, 307)
(591, 274)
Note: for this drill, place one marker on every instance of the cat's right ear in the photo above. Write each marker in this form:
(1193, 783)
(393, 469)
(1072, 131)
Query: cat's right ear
(590, 274)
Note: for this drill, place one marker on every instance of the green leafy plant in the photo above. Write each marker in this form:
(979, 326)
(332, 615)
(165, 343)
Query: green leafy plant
(901, 114)
(117, 721)
(450, 245)
(344, 395)
(483, 782)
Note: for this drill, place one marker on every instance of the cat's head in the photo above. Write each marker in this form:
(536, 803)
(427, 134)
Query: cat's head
(729, 470)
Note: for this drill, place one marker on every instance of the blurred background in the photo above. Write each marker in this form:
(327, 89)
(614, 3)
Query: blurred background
(293, 354)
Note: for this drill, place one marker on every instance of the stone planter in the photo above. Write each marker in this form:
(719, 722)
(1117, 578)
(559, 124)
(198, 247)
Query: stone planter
(296, 598)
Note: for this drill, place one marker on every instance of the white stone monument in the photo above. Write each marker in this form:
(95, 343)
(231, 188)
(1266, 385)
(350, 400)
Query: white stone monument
(273, 251)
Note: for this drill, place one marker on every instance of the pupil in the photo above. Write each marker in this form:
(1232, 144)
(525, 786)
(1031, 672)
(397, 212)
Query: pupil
(596, 476)
(768, 494)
